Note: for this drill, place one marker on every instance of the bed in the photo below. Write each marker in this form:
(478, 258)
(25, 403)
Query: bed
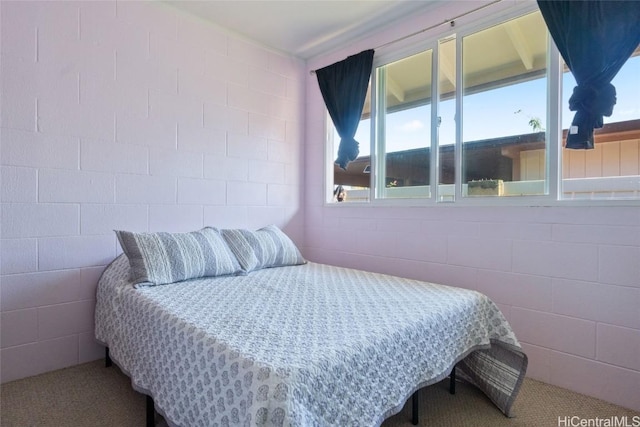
(300, 345)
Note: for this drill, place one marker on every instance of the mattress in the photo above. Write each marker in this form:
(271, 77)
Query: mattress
(307, 345)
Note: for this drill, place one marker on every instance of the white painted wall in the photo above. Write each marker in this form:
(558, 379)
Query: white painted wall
(567, 278)
(127, 115)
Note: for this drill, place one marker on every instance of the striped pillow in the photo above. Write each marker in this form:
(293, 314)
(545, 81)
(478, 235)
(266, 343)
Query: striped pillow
(267, 247)
(160, 258)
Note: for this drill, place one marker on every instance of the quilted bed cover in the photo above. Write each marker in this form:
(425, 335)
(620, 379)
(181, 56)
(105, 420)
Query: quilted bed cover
(308, 345)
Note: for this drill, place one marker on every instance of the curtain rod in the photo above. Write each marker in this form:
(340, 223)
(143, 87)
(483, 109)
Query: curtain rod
(450, 21)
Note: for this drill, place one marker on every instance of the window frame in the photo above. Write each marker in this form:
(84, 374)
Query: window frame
(553, 133)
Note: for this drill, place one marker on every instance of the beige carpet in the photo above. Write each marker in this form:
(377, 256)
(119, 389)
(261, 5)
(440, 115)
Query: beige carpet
(91, 395)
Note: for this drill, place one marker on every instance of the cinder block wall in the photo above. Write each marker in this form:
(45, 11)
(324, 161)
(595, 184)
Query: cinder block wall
(127, 115)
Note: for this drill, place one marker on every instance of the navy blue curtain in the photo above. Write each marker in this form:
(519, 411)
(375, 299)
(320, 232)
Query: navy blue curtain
(344, 88)
(595, 39)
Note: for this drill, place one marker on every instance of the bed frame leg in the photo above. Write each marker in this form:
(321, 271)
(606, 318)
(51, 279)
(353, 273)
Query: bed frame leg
(452, 380)
(107, 359)
(151, 412)
(414, 408)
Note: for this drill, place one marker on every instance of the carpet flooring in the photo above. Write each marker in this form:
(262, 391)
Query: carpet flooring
(90, 395)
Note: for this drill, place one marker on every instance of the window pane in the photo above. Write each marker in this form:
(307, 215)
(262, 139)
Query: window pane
(355, 180)
(446, 119)
(612, 169)
(404, 127)
(504, 106)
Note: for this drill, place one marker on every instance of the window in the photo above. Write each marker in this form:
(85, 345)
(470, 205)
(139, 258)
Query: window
(504, 100)
(612, 168)
(355, 180)
(476, 116)
(403, 127)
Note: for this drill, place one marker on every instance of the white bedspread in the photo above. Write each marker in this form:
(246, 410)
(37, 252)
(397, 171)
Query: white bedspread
(309, 345)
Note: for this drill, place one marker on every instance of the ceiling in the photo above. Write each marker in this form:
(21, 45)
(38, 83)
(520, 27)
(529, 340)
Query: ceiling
(303, 28)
